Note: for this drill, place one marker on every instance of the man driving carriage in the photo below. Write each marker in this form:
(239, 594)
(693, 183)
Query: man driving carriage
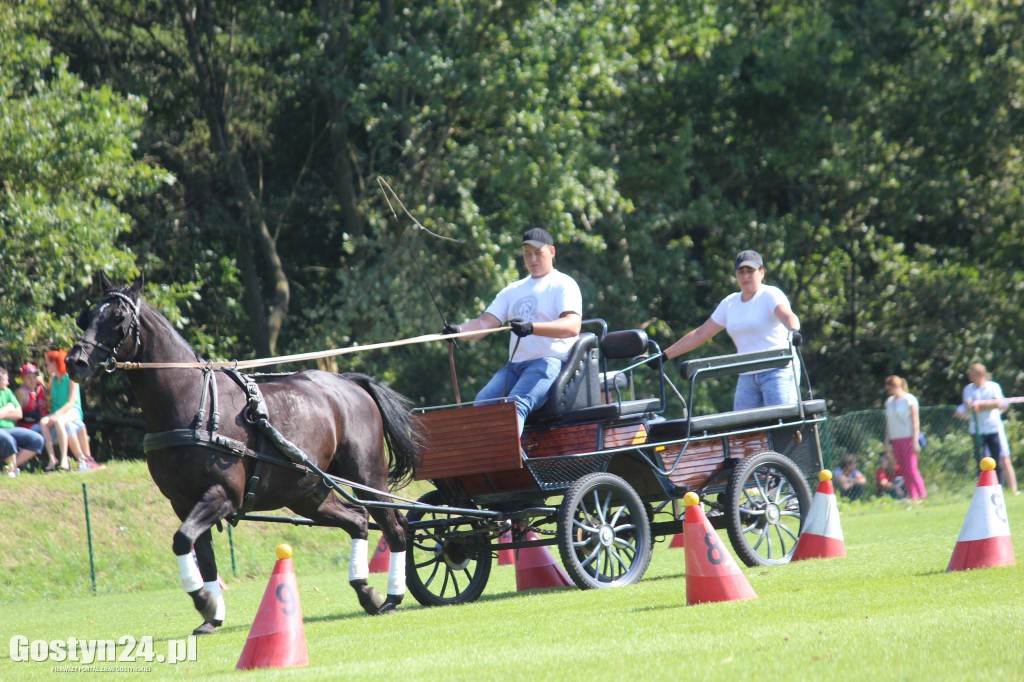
(544, 310)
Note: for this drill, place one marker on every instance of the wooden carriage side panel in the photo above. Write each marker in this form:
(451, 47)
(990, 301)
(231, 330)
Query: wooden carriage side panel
(564, 440)
(625, 435)
(705, 458)
(701, 460)
(748, 444)
(475, 439)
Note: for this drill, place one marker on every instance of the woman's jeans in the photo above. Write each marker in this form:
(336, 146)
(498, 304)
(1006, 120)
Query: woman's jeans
(761, 389)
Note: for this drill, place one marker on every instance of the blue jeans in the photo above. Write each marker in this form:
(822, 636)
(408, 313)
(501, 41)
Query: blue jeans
(12, 441)
(761, 389)
(528, 382)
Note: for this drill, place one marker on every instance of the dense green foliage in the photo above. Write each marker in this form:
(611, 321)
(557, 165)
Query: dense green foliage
(872, 151)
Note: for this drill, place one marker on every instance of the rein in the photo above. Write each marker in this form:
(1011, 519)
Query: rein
(245, 364)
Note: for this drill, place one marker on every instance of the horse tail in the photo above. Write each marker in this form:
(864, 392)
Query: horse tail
(400, 435)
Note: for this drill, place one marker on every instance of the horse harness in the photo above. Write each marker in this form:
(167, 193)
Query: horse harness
(256, 415)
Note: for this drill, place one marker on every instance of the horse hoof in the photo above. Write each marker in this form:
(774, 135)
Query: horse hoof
(207, 628)
(205, 603)
(390, 605)
(369, 597)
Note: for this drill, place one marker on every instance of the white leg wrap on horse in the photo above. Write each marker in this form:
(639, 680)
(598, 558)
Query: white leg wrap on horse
(191, 580)
(358, 561)
(396, 574)
(213, 586)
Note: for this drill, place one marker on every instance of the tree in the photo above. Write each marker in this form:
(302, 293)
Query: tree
(67, 154)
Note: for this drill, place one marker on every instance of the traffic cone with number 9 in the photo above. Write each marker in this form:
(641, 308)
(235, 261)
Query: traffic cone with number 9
(711, 572)
(277, 638)
(984, 539)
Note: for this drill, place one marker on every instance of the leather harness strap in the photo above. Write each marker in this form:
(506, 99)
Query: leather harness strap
(255, 414)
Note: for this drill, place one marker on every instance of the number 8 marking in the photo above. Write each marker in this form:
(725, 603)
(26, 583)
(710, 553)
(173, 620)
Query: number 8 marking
(714, 552)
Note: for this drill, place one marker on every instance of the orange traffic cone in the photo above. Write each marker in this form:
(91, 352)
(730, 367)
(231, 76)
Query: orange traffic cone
(678, 540)
(985, 536)
(277, 638)
(536, 569)
(506, 556)
(380, 562)
(822, 537)
(711, 572)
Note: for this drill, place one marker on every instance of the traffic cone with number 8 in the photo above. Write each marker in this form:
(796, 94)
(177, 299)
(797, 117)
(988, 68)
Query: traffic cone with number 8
(711, 572)
(277, 638)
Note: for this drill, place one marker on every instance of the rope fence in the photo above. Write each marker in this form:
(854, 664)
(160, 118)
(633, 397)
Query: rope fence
(947, 462)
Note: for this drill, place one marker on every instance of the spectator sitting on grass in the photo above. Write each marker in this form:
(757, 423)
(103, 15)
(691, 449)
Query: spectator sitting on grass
(889, 479)
(17, 444)
(849, 480)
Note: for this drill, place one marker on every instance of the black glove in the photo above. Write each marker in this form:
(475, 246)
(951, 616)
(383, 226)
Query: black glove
(655, 363)
(798, 338)
(451, 329)
(521, 327)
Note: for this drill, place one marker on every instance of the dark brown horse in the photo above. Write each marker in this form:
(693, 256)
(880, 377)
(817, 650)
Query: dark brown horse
(341, 422)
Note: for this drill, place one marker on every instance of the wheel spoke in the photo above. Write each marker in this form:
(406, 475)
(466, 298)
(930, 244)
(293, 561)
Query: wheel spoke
(782, 540)
(601, 507)
(591, 556)
(618, 513)
(589, 529)
(627, 546)
(782, 527)
(433, 573)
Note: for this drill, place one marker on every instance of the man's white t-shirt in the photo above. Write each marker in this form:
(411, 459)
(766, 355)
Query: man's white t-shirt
(989, 421)
(538, 299)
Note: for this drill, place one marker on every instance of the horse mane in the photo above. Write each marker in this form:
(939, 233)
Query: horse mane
(150, 315)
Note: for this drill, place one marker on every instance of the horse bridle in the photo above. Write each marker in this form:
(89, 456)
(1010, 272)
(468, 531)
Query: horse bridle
(133, 330)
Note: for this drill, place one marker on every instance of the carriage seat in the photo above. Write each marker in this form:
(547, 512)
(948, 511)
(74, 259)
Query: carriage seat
(676, 429)
(628, 344)
(577, 385)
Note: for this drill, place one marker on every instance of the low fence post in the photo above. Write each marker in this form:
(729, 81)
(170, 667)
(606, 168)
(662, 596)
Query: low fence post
(88, 534)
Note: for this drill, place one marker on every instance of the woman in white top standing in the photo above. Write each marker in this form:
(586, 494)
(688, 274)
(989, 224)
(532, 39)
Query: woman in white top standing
(757, 317)
(903, 433)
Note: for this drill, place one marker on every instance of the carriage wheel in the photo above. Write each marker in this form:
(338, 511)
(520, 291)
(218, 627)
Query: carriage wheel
(441, 569)
(604, 534)
(766, 503)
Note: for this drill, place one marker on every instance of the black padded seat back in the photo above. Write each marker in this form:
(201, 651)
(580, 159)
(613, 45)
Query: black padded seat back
(578, 384)
(628, 343)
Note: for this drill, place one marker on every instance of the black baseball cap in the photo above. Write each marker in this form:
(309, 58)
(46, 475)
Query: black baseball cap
(538, 237)
(748, 259)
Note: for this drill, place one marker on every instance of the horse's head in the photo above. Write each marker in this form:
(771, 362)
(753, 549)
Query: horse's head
(111, 330)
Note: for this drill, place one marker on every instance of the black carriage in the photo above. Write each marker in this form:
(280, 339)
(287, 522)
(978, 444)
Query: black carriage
(600, 472)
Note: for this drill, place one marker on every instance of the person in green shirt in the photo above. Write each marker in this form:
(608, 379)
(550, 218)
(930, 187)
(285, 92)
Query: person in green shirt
(17, 444)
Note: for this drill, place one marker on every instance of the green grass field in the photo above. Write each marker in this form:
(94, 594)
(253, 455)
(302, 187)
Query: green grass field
(887, 611)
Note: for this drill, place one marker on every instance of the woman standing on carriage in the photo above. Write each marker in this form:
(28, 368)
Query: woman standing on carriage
(757, 317)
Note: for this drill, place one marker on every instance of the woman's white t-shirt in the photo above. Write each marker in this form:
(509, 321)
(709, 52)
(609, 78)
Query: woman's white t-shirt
(898, 417)
(752, 325)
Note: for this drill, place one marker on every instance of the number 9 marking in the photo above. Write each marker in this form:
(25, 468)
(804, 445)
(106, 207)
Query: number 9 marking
(286, 597)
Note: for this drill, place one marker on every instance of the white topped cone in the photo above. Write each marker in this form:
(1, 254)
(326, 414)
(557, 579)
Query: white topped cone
(822, 536)
(985, 536)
